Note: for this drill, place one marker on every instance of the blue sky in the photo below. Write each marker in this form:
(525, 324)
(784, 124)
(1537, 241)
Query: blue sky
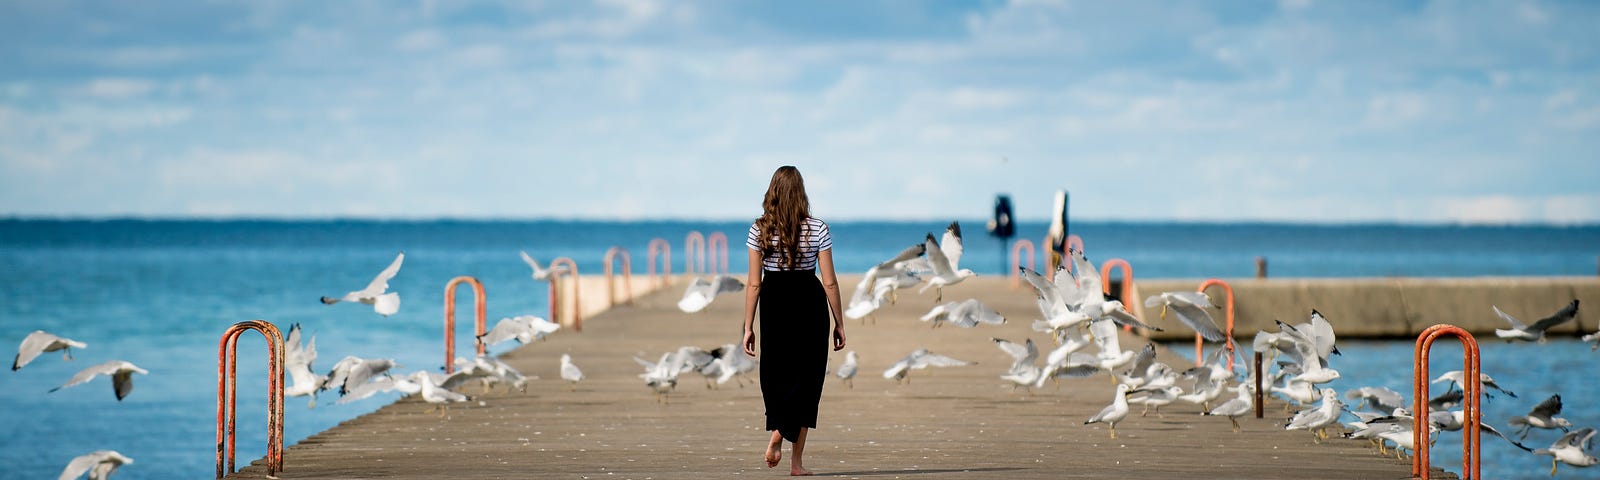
(1304, 110)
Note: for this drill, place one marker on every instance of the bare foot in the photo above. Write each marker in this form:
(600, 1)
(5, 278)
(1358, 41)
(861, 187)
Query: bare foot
(799, 472)
(774, 453)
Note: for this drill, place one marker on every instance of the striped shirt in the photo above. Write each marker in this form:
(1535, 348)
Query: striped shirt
(814, 238)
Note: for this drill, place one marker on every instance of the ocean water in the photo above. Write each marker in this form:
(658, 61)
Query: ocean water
(160, 293)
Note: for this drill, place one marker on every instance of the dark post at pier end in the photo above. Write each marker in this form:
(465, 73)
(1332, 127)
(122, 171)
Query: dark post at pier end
(1261, 267)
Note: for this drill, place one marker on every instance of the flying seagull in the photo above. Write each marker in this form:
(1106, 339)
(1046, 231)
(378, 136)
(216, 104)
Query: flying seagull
(383, 303)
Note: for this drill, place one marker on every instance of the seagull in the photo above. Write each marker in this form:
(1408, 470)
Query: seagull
(120, 371)
(965, 314)
(1593, 339)
(1234, 407)
(100, 464)
(383, 303)
(919, 359)
(1454, 420)
(540, 273)
(487, 370)
(880, 282)
(440, 397)
(380, 385)
(39, 342)
(1190, 308)
(1092, 299)
(700, 292)
(944, 257)
(1023, 370)
(1317, 419)
(661, 376)
(1534, 332)
(524, 328)
(570, 372)
(1068, 301)
(1455, 377)
(847, 370)
(1155, 397)
(1570, 449)
(1310, 349)
(297, 360)
(728, 362)
(352, 372)
(1143, 364)
(1381, 399)
(1542, 415)
(1115, 412)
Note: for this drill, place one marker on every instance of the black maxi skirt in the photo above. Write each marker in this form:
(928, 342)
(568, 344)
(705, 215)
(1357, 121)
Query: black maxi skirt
(794, 349)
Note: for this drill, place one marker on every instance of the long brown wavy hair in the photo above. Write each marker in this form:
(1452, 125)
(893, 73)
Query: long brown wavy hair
(783, 214)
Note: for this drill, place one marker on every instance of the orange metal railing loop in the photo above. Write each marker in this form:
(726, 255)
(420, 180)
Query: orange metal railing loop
(660, 247)
(555, 298)
(1127, 283)
(717, 243)
(480, 300)
(627, 274)
(1016, 260)
(1472, 406)
(1228, 307)
(694, 247)
(227, 389)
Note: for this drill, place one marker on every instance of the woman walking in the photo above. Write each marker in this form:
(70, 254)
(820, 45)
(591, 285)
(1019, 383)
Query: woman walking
(787, 249)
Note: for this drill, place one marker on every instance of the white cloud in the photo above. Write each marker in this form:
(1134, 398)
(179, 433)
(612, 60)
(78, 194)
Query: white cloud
(118, 88)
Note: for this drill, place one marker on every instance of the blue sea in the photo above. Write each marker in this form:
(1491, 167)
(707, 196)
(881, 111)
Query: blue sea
(159, 293)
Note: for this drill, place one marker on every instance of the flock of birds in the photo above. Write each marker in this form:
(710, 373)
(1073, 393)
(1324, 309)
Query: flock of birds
(1075, 314)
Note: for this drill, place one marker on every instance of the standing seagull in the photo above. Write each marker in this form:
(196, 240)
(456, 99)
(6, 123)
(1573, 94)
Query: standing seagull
(383, 303)
(1115, 412)
(539, 273)
(121, 373)
(100, 464)
(945, 258)
(847, 370)
(39, 342)
(1570, 449)
(570, 372)
(1534, 332)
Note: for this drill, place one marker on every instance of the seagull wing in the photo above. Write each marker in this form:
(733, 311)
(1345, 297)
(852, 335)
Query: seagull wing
(951, 245)
(87, 374)
(937, 259)
(1048, 294)
(909, 253)
(381, 282)
(1019, 353)
(936, 360)
(1515, 324)
(1088, 277)
(1550, 407)
(1198, 319)
(81, 464)
(122, 382)
(1566, 314)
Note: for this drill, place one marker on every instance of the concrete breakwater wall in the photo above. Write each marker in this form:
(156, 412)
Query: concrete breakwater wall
(1389, 307)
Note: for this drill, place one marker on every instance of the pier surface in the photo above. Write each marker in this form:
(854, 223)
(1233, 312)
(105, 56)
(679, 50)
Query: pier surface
(961, 422)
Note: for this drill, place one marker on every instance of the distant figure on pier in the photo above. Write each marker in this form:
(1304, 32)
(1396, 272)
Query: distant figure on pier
(787, 248)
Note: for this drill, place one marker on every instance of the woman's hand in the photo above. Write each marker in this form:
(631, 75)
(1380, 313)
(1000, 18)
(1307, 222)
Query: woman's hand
(838, 337)
(749, 343)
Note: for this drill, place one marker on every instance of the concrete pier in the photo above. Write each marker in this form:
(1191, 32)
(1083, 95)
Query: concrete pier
(961, 422)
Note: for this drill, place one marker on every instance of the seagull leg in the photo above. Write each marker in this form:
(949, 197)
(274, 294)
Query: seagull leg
(1552, 467)
(1235, 424)
(1113, 430)
(1146, 410)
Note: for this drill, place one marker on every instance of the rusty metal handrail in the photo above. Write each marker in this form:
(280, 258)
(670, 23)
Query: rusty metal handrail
(660, 246)
(627, 275)
(717, 242)
(1127, 283)
(227, 393)
(1472, 413)
(1198, 349)
(1016, 260)
(480, 299)
(555, 290)
(694, 246)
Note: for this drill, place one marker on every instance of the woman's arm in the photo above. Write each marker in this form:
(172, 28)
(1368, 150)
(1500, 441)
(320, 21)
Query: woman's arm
(752, 296)
(830, 285)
